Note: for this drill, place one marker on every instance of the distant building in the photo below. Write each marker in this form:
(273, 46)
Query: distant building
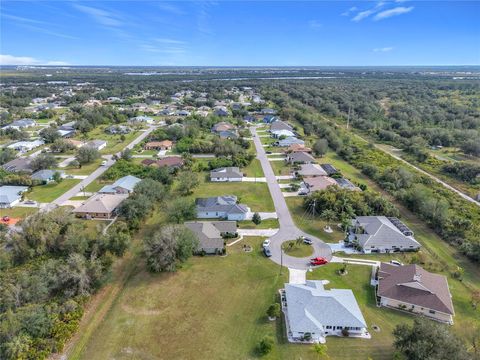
(18, 165)
(329, 169)
(169, 161)
(282, 133)
(299, 158)
(415, 290)
(118, 129)
(380, 234)
(11, 195)
(25, 146)
(124, 185)
(311, 170)
(159, 145)
(317, 183)
(346, 184)
(289, 141)
(46, 176)
(280, 125)
(141, 120)
(96, 144)
(20, 124)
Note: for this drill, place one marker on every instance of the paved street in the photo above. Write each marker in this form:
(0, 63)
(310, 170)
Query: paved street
(97, 173)
(288, 230)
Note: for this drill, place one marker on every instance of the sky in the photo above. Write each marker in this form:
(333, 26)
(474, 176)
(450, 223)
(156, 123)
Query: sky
(240, 33)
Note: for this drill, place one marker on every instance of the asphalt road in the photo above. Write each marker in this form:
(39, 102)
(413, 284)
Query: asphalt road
(288, 229)
(97, 173)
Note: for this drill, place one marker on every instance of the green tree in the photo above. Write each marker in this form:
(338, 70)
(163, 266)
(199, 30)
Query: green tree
(43, 161)
(6, 155)
(265, 345)
(256, 218)
(126, 154)
(87, 155)
(50, 134)
(320, 147)
(118, 238)
(181, 209)
(320, 349)
(426, 339)
(187, 181)
(274, 310)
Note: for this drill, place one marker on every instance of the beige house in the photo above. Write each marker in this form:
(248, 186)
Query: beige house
(159, 145)
(100, 206)
(413, 289)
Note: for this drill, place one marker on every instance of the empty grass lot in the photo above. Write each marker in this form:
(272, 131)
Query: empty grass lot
(86, 169)
(18, 212)
(254, 195)
(280, 167)
(254, 169)
(49, 192)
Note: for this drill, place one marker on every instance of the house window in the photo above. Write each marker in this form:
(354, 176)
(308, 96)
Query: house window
(329, 327)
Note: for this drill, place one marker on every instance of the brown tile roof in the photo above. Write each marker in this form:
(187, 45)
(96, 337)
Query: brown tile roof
(298, 148)
(319, 182)
(414, 285)
(164, 143)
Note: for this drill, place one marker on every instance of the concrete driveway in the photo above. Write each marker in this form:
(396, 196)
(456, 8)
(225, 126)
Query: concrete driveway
(288, 229)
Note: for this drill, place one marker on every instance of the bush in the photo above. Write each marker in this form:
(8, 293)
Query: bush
(274, 310)
(345, 332)
(265, 345)
(256, 218)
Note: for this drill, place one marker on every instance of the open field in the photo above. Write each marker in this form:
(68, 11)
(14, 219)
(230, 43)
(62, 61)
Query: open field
(49, 192)
(18, 212)
(301, 250)
(86, 169)
(255, 195)
(280, 167)
(114, 142)
(253, 170)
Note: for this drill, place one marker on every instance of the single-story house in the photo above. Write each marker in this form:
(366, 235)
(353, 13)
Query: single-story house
(47, 175)
(317, 183)
(413, 289)
(170, 161)
(289, 141)
(226, 174)
(102, 206)
(380, 234)
(158, 145)
(182, 113)
(329, 169)
(18, 165)
(221, 111)
(280, 125)
(11, 195)
(307, 170)
(249, 118)
(298, 148)
(229, 134)
(299, 158)
(141, 120)
(210, 234)
(279, 133)
(124, 185)
(77, 143)
(167, 112)
(25, 146)
(20, 124)
(117, 129)
(66, 133)
(268, 111)
(314, 312)
(221, 207)
(96, 144)
(222, 126)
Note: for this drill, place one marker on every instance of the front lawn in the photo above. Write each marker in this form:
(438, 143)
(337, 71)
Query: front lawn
(49, 192)
(254, 169)
(18, 212)
(86, 169)
(301, 251)
(280, 167)
(265, 224)
(254, 195)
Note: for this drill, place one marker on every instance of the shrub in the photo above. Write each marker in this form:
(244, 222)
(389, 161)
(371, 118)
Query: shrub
(274, 310)
(265, 345)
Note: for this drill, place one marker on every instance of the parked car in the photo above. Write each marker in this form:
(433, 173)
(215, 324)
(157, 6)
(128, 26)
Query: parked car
(104, 162)
(318, 261)
(267, 252)
(268, 152)
(30, 202)
(307, 241)
(395, 262)
(266, 243)
(6, 218)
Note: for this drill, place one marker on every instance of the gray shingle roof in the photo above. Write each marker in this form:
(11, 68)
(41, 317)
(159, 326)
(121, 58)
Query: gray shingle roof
(300, 157)
(226, 172)
(9, 194)
(414, 285)
(311, 170)
(280, 125)
(209, 233)
(225, 203)
(45, 174)
(379, 231)
(127, 182)
(101, 203)
(310, 307)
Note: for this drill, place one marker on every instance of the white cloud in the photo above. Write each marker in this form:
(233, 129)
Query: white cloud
(349, 11)
(170, 8)
(392, 12)
(102, 17)
(314, 24)
(362, 15)
(169, 41)
(27, 60)
(383, 49)
(22, 19)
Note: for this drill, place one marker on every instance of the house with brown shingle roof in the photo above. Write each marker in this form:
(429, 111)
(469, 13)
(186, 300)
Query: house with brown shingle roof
(298, 148)
(159, 145)
(170, 161)
(100, 206)
(413, 289)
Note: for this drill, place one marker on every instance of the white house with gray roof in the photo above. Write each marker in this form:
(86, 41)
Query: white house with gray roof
(381, 235)
(124, 185)
(221, 207)
(313, 312)
(11, 195)
(210, 234)
(226, 174)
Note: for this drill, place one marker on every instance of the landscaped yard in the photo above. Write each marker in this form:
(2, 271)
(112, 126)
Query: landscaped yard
(86, 169)
(254, 195)
(18, 212)
(280, 167)
(300, 250)
(265, 224)
(49, 192)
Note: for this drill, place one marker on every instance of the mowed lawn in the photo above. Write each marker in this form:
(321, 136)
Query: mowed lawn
(49, 192)
(255, 195)
(254, 169)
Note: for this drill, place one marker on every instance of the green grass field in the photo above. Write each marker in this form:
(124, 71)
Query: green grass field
(280, 168)
(18, 212)
(254, 195)
(114, 142)
(86, 169)
(301, 250)
(265, 224)
(253, 170)
(49, 192)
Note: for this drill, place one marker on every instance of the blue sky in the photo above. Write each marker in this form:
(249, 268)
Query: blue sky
(248, 33)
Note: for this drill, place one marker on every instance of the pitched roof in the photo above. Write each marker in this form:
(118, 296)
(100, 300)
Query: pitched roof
(318, 183)
(101, 203)
(172, 161)
(127, 182)
(282, 132)
(300, 157)
(44, 174)
(18, 164)
(9, 194)
(414, 285)
(222, 126)
(329, 168)
(95, 143)
(290, 140)
(298, 147)
(165, 143)
(280, 125)
(310, 307)
(225, 203)
(226, 172)
(380, 231)
(209, 233)
(311, 170)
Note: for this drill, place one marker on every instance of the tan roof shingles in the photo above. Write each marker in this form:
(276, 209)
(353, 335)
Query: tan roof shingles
(101, 203)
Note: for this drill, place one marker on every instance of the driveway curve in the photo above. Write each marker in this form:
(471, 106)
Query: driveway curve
(288, 229)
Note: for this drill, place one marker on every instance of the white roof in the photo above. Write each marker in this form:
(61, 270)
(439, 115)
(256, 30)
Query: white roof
(9, 194)
(310, 307)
